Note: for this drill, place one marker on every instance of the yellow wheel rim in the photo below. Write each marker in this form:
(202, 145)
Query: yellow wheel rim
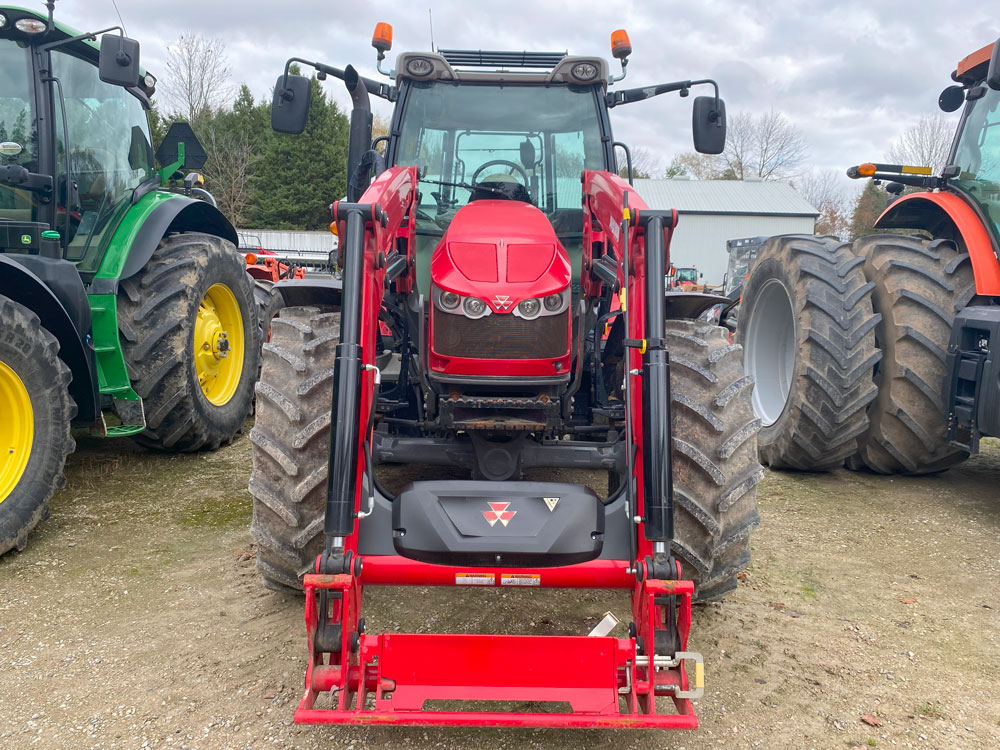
(17, 429)
(218, 344)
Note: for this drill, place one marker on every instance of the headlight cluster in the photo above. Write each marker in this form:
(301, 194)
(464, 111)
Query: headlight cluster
(552, 304)
(470, 307)
(527, 309)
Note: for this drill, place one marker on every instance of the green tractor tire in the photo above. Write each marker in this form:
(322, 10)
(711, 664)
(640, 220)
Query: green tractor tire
(191, 339)
(35, 414)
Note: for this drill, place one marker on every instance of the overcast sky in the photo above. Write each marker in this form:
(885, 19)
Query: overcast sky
(851, 74)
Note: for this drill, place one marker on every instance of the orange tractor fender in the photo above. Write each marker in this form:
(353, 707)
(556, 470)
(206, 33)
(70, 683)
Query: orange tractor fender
(935, 213)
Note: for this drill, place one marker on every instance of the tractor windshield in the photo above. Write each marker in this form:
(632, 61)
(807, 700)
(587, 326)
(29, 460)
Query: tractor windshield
(18, 126)
(109, 152)
(977, 153)
(541, 137)
(687, 275)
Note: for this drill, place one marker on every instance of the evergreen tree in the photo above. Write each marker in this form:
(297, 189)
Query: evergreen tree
(299, 176)
(868, 207)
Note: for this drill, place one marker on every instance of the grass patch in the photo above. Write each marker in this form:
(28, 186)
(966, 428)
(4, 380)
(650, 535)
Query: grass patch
(218, 513)
(931, 709)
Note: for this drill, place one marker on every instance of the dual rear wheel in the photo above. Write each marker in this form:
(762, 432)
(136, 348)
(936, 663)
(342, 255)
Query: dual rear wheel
(848, 345)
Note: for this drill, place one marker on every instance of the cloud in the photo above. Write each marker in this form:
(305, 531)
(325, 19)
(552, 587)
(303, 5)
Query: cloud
(852, 75)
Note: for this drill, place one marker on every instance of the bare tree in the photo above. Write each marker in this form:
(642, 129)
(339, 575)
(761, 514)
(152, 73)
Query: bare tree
(698, 166)
(925, 144)
(767, 146)
(197, 76)
(645, 164)
(823, 190)
(230, 168)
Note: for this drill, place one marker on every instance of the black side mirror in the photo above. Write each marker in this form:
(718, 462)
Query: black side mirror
(118, 63)
(951, 98)
(169, 152)
(708, 124)
(993, 72)
(527, 149)
(290, 107)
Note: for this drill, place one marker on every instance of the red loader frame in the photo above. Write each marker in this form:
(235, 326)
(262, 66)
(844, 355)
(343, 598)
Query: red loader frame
(387, 678)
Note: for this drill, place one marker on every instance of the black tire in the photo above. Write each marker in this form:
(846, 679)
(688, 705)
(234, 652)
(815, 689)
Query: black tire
(920, 285)
(808, 331)
(268, 305)
(715, 467)
(32, 354)
(290, 444)
(157, 311)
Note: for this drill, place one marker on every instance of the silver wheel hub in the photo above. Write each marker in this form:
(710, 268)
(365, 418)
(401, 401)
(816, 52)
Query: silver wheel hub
(770, 347)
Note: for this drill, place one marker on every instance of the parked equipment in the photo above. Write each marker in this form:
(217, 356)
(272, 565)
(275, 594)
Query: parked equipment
(883, 352)
(493, 239)
(266, 268)
(123, 307)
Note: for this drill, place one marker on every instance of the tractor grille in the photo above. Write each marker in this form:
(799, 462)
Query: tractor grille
(501, 336)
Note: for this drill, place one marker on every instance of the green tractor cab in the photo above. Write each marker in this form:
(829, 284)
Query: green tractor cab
(126, 307)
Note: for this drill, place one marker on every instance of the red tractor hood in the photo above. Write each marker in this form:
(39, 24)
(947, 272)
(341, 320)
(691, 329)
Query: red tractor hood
(502, 252)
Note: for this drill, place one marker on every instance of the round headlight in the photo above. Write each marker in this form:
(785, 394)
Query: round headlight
(30, 25)
(553, 302)
(584, 71)
(474, 307)
(3, 20)
(149, 81)
(450, 300)
(529, 308)
(419, 67)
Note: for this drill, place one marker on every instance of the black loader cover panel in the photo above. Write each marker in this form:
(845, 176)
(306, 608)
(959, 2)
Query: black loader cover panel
(482, 523)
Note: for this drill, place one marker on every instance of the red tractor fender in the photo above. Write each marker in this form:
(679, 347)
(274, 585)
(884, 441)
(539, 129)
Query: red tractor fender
(934, 212)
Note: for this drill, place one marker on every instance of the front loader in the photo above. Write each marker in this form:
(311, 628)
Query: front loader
(124, 307)
(495, 239)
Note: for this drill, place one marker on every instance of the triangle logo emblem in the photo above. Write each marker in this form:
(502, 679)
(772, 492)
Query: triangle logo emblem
(551, 502)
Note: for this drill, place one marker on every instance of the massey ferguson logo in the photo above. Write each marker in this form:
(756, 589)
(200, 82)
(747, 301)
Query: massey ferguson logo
(498, 512)
(503, 302)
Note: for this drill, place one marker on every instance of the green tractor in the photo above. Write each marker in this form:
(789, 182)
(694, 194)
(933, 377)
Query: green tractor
(124, 307)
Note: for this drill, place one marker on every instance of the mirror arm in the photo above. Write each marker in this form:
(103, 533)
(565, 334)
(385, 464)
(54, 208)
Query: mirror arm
(628, 96)
(381, 90)
(91, 35)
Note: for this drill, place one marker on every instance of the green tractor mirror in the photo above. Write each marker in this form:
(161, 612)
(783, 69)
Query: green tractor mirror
(119, 60)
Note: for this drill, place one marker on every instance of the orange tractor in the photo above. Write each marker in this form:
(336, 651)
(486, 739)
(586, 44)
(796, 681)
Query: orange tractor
(884, 353)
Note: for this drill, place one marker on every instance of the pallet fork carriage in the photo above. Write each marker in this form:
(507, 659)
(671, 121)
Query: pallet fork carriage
(527, 406)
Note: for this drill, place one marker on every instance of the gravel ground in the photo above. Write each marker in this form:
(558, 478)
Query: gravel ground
(135, 619)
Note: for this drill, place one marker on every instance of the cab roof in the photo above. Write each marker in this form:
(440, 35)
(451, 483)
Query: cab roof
(501, 66)
(972, 67)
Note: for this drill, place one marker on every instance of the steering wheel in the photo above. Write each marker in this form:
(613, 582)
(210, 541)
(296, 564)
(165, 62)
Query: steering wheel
(499, 163)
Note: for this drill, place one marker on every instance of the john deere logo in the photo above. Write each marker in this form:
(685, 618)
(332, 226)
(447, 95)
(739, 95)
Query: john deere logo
(25, 239)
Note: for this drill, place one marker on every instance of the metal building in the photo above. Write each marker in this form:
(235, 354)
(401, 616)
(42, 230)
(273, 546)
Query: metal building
(714, 211)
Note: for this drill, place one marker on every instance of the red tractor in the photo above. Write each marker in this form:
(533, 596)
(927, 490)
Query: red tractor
(493, 237)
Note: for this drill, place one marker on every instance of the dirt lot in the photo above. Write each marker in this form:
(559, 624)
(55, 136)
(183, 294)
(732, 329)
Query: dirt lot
(135, 619)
